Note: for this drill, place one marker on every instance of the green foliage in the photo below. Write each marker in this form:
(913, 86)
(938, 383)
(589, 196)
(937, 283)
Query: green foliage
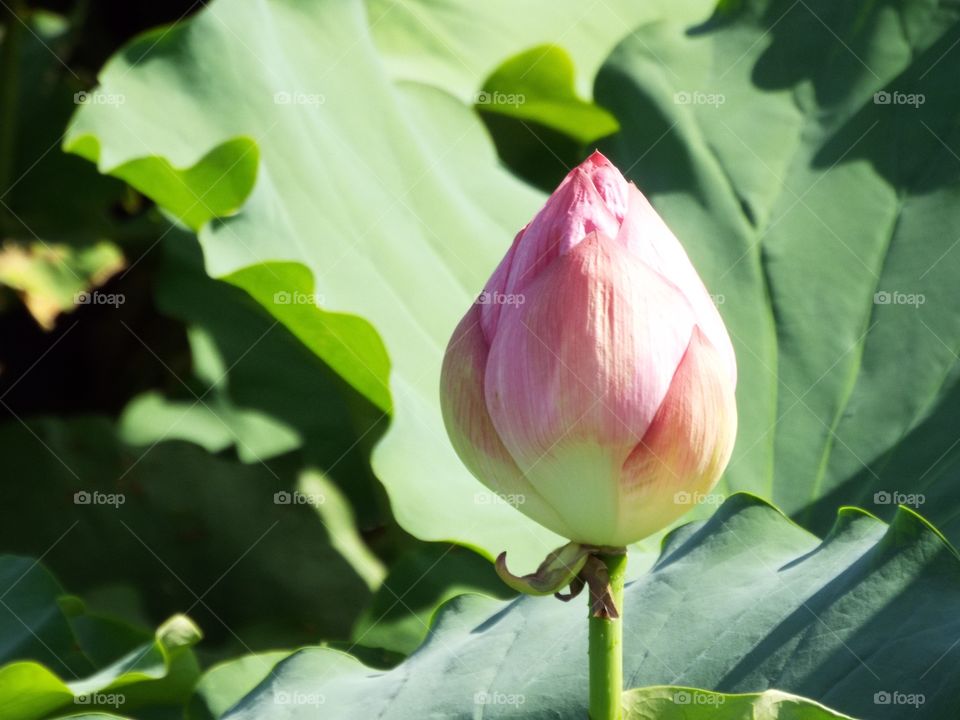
(57, 235)
(826, 220)
(352, 186)
(538, 85)
(252, 384)
(223, 685)
(398, 616)
(786, 185)
(189, 530)
(664, 703)
(52, 278)
(50, 662)
(743, 602)
(377, 206)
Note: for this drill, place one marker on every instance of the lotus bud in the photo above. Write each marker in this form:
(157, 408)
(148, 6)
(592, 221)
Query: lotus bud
(594, 377)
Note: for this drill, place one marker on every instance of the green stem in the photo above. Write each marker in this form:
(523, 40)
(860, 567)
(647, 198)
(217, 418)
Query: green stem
(606, 649)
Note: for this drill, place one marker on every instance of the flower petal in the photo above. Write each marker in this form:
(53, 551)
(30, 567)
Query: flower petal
(592, 197)
(578, 371)
(497, 284)
(645, 232)
(470, 429)
(687, 446)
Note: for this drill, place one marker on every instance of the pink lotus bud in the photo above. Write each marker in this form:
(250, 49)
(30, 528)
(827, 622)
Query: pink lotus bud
(594, 377)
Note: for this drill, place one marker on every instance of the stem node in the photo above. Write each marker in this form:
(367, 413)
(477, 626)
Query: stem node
(606, 638)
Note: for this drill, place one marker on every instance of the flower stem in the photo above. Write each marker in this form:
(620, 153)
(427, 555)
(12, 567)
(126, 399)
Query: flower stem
(606, 649)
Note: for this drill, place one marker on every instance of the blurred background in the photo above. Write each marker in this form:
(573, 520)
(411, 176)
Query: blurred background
(149, 409)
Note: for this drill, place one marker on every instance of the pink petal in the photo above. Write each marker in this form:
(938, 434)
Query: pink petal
(645, 232)
(497, 284)
(688, 445)
(471, 430)
(587, 358)
(592, 197)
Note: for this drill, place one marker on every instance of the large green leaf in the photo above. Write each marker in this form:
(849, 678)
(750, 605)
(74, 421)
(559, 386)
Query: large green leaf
(391, 197)
(399, 614)
(745, 602)
(455, 45)
(535, 115)
(816, 211)
(223, 685)
(253, 385)
(538, 85)
(665, 703)
(51, 661)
